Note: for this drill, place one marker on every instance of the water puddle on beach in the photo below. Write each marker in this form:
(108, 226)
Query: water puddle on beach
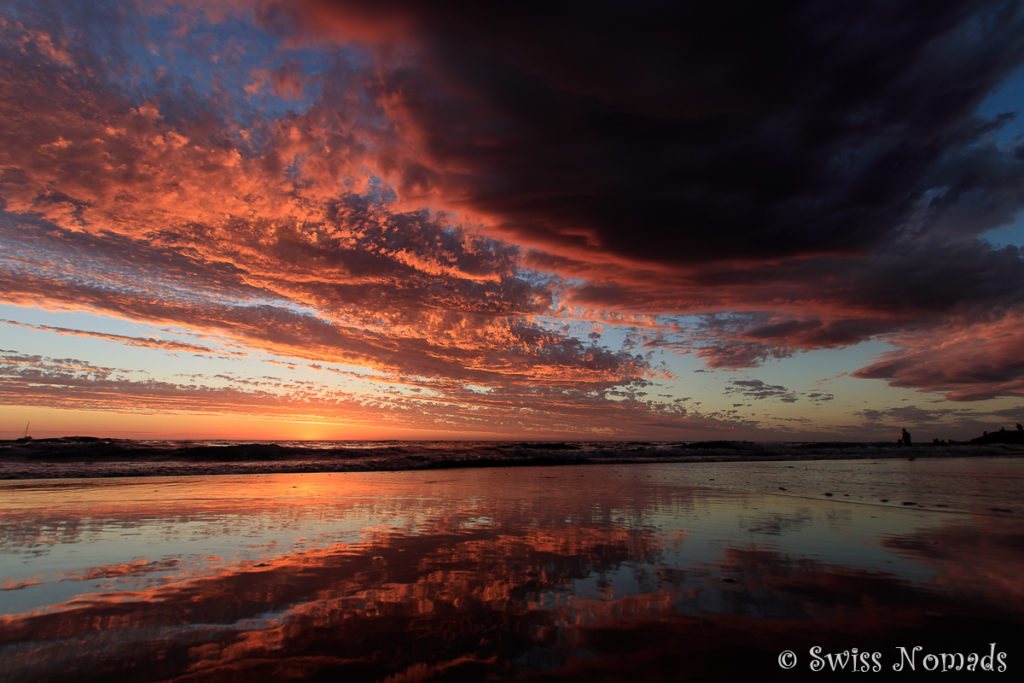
(604, 572)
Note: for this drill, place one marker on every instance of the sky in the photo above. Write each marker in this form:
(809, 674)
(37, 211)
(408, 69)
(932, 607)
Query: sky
(317, 219)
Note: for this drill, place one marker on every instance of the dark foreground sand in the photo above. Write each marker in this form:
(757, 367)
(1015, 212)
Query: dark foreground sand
(702, 571)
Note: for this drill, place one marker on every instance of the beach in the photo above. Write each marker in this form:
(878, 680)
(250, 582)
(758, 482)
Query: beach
(662, 571)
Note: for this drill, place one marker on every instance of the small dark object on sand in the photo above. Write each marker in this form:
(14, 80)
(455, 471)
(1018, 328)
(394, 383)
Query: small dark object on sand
(827, 493)
(783, 488)
(909, 502)
(1001, 510)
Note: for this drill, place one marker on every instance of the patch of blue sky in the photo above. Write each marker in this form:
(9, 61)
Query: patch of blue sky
(542, 276)
(216, 64)
(1007, 98)
(278, 302)
(23, 254)
(125, 281)
(805, 368)
(581, 327)
(821, 371)
(183, 64)
(331, 376)
(256, 371)
(77, 320)
(157, 362)
(1011, 234)
(818, 371)
(379, 191)
(413, 386)
(105, 350)
(137, 363)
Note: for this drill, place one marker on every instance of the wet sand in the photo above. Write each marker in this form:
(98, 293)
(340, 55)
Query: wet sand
(605, 572)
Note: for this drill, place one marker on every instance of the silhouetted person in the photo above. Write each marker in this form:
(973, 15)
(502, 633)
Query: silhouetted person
(1019, 428)
(905, 439)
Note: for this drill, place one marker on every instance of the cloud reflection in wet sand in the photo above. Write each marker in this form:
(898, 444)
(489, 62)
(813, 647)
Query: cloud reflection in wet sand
(480, 573)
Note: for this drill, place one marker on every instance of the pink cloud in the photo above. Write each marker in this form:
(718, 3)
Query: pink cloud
(969, 361)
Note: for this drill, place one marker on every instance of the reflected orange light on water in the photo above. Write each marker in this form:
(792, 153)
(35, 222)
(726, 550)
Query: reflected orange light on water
(476, 573)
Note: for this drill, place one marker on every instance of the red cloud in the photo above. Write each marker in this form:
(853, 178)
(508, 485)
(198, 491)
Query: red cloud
(968, 361)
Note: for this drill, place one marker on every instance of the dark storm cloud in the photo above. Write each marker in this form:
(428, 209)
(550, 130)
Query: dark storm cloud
(814, 174)
(682, 132)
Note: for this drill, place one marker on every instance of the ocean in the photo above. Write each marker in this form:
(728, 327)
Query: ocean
(99, 457)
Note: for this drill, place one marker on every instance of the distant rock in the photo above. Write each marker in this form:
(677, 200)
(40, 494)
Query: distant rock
(1014, 436)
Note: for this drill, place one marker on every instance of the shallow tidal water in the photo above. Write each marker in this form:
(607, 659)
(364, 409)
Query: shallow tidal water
(603, 572)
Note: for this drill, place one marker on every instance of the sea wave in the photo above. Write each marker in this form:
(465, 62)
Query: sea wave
(98, 457)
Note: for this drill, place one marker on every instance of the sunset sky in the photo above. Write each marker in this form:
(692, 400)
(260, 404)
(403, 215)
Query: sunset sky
(314, 219)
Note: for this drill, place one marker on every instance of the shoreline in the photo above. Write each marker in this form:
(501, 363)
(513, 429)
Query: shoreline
(89, 457)
(521, 572)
